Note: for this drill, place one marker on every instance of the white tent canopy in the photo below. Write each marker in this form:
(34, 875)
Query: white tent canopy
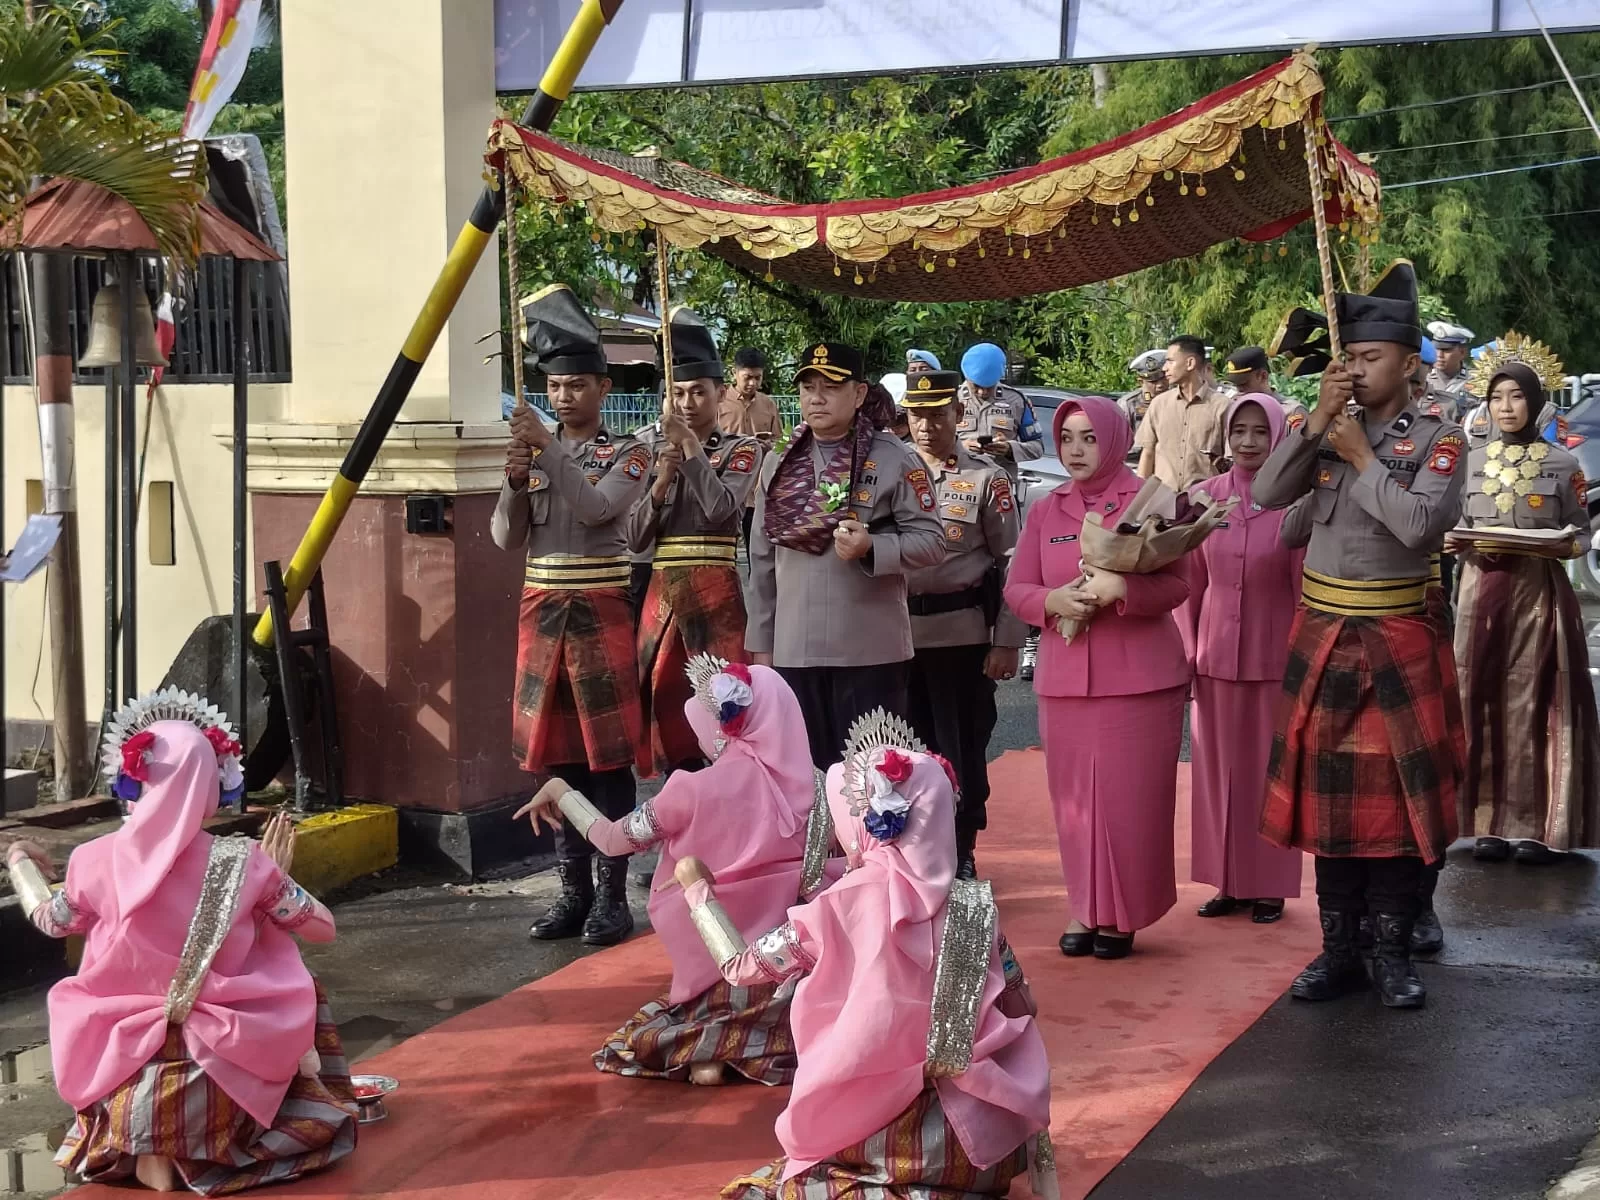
(663, 42)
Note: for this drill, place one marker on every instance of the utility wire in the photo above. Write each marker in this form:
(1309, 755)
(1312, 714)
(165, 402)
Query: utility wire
(1555, 53)
(1494, 137)
(1528, 87)
(1415, 183)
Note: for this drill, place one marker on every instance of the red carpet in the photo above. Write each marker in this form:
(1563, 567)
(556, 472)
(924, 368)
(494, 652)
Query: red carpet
(502, 1103)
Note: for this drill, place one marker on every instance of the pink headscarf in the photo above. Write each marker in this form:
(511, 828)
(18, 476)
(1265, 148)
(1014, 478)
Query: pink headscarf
(861, 1017)
(744, 816)
(1237, 480)
(256, 1012)
(1112, 434)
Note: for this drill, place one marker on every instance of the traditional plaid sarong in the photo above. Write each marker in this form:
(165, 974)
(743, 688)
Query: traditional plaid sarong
(577, 697)
(687, 611)
(171, 1109)
(917, 1154)
(746, 1028)
(1367, 754)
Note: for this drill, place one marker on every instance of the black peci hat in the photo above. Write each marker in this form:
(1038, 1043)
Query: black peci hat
(834, 361)
(560, 337)
(930, 389)
(1388, 313)
(694, 350)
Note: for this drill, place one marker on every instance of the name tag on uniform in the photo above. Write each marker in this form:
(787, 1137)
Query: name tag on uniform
(1071, 537)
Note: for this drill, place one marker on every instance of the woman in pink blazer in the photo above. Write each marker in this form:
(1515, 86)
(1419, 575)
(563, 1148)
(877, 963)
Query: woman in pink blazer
(1244, 582)
(1111, 701)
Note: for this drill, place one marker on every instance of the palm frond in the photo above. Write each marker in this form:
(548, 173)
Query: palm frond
(51, 52)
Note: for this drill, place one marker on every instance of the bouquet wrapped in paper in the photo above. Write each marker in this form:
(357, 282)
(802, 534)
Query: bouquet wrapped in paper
(1157, 529)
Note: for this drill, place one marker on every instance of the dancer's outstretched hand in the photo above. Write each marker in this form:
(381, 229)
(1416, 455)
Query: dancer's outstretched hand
(543, 805)
(277, 840)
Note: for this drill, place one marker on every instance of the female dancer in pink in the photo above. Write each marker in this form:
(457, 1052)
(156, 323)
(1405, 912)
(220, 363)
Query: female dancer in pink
(1245, 584)
(1111, 700)
(921, 1069)
(194, 1044)
(747, 814)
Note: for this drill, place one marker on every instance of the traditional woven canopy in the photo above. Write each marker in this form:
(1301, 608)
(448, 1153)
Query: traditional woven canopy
(1230, 166)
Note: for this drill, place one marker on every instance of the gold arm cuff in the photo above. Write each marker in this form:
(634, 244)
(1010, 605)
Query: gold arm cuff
(575, 807)
(722, 938)
(959, 976)
(29, 883)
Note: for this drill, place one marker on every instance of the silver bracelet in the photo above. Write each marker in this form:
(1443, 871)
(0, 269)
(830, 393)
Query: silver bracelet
(30, 885)
(575, 807)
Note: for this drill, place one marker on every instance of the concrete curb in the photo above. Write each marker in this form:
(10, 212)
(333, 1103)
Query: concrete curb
(1583, 1181)
(333, 849)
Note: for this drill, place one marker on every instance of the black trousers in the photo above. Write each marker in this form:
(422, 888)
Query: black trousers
(831, 698)
(1377, 885)
(952, 709)
(638, 585)
(612, 792)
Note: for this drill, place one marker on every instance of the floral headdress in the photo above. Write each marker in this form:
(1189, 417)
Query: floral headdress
(877, 760)
(129, 740)
(724, 688)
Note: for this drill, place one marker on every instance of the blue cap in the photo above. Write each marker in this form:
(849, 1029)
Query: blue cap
(984, 364)
(1430, 355)
(923, 356)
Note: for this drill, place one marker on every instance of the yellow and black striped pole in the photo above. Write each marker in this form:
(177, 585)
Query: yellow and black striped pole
(554, 87)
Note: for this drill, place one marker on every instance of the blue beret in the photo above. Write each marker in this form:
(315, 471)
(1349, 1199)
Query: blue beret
(1430, 355)
(923, 356)
(984, 364)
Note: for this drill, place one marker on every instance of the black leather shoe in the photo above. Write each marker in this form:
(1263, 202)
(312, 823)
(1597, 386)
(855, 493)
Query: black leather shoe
(1221, 906)
(1392, 972)
(1491, 849)
(1265, 912)
(1112, 945)
(966, 867)
(1337, 970)
(1077, 945)
(610, 920)
(1427, 935)
(1535, 854)
(565, 917)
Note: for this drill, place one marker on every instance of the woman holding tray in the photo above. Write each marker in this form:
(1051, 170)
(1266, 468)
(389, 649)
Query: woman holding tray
(745, 815)
(1110, 700)
(1533, 742)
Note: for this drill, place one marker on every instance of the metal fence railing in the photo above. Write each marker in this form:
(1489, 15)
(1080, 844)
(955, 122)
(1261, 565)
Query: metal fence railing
(204, 349)
(623, 412)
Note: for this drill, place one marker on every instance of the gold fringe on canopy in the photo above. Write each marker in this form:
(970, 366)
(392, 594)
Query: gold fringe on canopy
(1230, 166)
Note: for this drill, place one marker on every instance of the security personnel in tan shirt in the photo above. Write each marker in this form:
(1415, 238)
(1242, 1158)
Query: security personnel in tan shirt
(748, 411)
(688, 524)
(576, 711)
(843, 513)
(1181, 440)
(965, 637)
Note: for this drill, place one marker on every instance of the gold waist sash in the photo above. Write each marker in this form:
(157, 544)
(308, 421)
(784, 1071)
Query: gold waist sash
(1436, 565)
(712, 550)
(1364, 597)
(559, 573)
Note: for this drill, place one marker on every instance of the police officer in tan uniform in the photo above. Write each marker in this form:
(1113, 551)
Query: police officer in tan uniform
(997, 421)
(1366, 758)
(843, 514)
(564, 504)
(965, 637)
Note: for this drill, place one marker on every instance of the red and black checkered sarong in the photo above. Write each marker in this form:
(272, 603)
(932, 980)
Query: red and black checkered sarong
(1367, 755)
(687, 611)
(577, 697)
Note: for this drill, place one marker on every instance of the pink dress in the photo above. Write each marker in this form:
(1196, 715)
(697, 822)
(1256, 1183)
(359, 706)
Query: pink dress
(1245, 584)
(1110, 702)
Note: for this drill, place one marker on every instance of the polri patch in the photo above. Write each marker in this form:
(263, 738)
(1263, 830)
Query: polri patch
(1001, 490)
(604, 453)
(1580, 485)
(918, 479)
(638, 459)
(743, 460)
(953, 532)
(1446, 454)
(1405, 446)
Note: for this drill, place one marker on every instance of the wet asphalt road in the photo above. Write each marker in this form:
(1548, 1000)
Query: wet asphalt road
(1490, 1092)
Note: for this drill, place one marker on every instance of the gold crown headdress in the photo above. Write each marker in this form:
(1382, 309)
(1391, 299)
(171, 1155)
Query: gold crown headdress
(869, 733)
(1513, 347)
(701, 670)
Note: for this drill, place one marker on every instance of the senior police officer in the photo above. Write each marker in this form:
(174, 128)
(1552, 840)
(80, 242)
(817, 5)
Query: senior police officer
(843, 513)
(1452, 358)
(965, 637)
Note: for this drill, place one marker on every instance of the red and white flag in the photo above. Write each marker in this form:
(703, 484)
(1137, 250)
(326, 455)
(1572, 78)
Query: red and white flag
(166, 339)
(222, 63)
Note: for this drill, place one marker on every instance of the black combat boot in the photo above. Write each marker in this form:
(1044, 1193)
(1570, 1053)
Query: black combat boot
(966, 865)
(610, 919)
(1427, 935)
(564, 918)
(1392, 972)
(1337, 969)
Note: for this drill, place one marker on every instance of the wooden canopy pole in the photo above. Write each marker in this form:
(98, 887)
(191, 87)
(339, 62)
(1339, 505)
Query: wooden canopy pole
(664, 307)
(1319, 216)
(514, 289)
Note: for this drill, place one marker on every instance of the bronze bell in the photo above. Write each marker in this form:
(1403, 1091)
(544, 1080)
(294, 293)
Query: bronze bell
(105, 330)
